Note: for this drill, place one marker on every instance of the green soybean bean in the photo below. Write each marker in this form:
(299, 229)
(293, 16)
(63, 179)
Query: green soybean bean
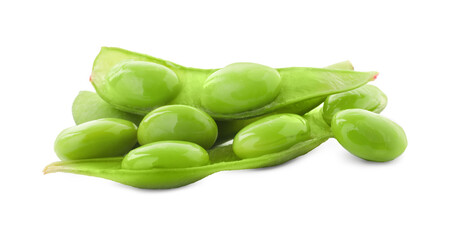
(88, 106)
(369, 135)
(240, 87)
(299, 88)
(108, 137)
(222, 158)
(270, 135)
(139, 85)
(367, 97)
(228, 129)
(166, 154)
(178, 122)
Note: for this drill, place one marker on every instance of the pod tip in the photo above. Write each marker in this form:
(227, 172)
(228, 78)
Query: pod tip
(375, 76)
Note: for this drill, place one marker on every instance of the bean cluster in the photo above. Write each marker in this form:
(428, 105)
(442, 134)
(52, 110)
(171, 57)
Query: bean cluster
(157, 124)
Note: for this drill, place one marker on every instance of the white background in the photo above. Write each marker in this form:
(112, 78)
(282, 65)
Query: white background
(47, 50)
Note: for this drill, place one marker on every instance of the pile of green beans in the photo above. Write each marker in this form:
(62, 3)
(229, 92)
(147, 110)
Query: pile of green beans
(155, 124)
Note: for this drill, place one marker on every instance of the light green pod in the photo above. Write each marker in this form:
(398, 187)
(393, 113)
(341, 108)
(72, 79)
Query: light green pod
(178, 122)
(139, 86)
(369, 135)
(107, 137)
(166, 154)
(221, 158)
(240, 87)
(367, 97)
(270, 135)
(88, 106)
(234, 89)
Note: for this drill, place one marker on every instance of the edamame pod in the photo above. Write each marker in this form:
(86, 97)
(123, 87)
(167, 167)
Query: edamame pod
(369, 135)
(108, 137)
(88, 106)
(298, 86)
(222, 158)
(166, 154)
(228, 129)
(367, 97)
(178, 122)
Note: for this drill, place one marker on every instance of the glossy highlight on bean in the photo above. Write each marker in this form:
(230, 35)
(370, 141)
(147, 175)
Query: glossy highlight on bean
(139, 85)
(240, 87)
(108, 137)
(369, 135)
(270, 135)
(178, 122)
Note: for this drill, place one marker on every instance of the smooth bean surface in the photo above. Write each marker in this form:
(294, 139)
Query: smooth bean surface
(240, 87)
(166, 154)
(270, 134)
(108, 137)
(178, 122)
(369, 135)
(140, 85)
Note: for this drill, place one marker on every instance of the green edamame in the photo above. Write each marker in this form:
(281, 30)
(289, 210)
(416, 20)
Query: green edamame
(369, 135)
(222, 158)
(240, 87)
(88, 106)
(258, 106)
(178, 122)
(367, 97)
(228, 129)
(297, 86)
(108, 137)
(270, 135)
(166, 154)
(139, 85)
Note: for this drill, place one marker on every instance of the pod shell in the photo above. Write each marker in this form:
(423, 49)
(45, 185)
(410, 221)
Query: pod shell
(270, 135)
(108, 137)
(369, 135)
(166, 154)
(178, 122)
(240, 87)
(368, 97)
(139, 85)
(88, 106)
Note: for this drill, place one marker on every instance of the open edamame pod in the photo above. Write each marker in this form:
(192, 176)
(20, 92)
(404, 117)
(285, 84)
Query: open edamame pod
(367, 97)
(222, 158)
(129, 81)
(88, 106)
(228, 129)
